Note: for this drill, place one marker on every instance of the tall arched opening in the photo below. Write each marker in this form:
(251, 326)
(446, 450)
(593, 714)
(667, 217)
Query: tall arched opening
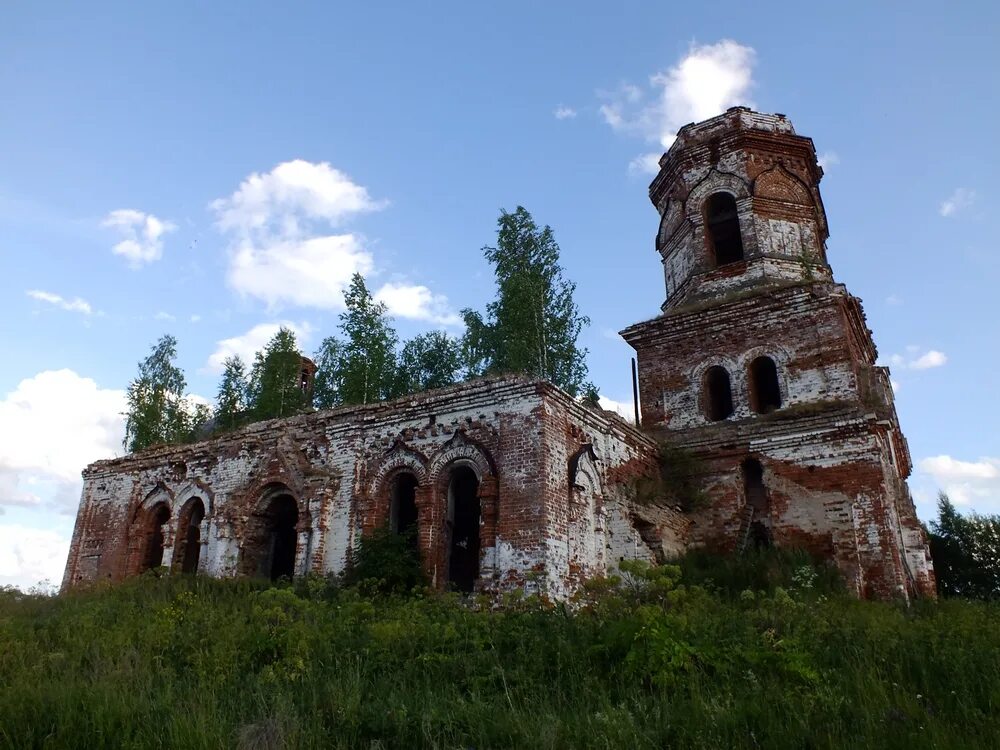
(463, 525)
(718, 394)
(271, 542)
(722, 227)
(765, 392)
(156, 518)
(403, 504)
(187, 554)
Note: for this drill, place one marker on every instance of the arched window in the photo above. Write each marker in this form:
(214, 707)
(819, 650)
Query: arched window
(463, 527)
(718, 394)
(722, 227)
(758, 503)
(765, 393)
(403, 504)
(188, 550)
(157, 517)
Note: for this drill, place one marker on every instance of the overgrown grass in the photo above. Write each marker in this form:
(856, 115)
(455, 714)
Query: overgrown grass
(647, 661)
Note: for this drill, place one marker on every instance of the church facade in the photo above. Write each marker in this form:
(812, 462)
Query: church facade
(760, 366)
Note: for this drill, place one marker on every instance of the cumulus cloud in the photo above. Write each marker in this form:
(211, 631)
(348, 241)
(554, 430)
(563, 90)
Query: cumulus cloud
(164, 315)
(72, 305)
(960, 199)
(708, 80)
(284, 249)
(625, 410)
(54, 424)
(142, 235)
(564, 113)
(31, 556)
(418, 303)
(973, 484)
(914, 360)
(246, 345)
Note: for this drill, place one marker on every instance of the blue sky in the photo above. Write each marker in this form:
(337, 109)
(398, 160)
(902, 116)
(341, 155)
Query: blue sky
(214, 171)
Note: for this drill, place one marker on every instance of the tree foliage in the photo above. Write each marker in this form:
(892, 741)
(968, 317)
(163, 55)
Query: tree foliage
(231, 400)
(430, 360)
(158, 412)
(275, 388)
(366, 355)
(966, 552)
(533, 324)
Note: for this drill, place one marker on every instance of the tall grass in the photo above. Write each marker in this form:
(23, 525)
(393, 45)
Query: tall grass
(648, 661)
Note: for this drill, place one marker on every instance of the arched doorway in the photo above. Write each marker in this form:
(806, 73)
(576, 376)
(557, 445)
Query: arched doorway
(463, 527)
(722, 224)
(188, 551)
(157, 517)
(271, 542)
(765, 392)
(403, 504)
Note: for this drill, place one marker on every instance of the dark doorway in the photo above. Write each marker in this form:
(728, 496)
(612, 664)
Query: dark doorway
(463, 518)
(403, 504)
(189, 544)
(158, 516)
(765, 393)
(722, 225)
(274, 539)
(759, 502)
(718, 394)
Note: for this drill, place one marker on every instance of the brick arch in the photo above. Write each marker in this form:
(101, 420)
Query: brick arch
(671, 222)
(714, 182)
(151, 515)
(779, 184)
(400, 457)
(259, 526)
(583, 471)
(195, 488)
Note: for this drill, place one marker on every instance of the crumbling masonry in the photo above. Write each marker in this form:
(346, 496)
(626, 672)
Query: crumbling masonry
(760, 366)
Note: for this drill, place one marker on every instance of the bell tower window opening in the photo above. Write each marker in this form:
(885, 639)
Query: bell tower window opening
(718, 394)
(722, 228)
(765, 393)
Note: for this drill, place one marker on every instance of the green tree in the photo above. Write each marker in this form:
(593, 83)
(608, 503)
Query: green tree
(326, 386)
(231, 400)
(966, 552)
(275, 388)
(367, 369)
(430, 360)
(533, 325)
(157, 412)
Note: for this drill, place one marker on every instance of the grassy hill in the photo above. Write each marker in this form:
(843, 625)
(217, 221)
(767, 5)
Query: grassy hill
(754, 653)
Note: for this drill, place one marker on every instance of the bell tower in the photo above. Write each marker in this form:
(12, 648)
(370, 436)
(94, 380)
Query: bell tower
(762, 365)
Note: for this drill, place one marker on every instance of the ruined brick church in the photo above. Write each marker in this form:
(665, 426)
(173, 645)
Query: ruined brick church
(760, 365)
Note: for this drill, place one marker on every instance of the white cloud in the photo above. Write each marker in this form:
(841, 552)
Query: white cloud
(30, 556)
(645, 163)
(418, 303)
(142, 233)
(625, 410)
(894, 300)
(194, 318)
(282, 252)
(54, 424)
(72, 305)
(960, 199)
(162, 315)
(708, 80)
(969, 483)
(894, 384)
(279, 251)
(248, 344)
(929, 359)
(564, 113)
(827, 159)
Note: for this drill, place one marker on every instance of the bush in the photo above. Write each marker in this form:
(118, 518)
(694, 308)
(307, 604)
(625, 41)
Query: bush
(385, 562)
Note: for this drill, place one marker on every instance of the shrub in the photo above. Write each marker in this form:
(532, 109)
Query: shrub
(385, 562)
